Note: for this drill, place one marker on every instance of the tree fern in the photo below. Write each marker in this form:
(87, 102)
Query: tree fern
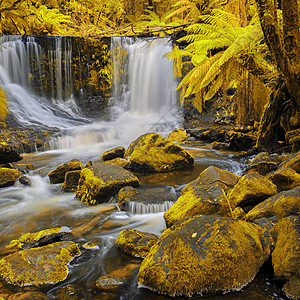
(218, 44)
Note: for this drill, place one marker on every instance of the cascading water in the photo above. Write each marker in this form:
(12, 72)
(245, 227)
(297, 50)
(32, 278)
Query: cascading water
(26, 101)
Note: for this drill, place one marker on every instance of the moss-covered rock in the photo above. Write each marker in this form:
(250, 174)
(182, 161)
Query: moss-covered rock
(28, 296)
(38, 266)
(124, 163)
(263, 163)
(136, 243)
(154, 153)
(58, 174)
(8, 176)
(113, 153)
(250, 190)
(292, 162)
(71, 181)
(282, 205)
(286, 254)
(205, 254)
(178, 135)
(8, 154)
(285, 178)
(30, 237)
(292, 288)
(101, 181)
(203, 196)
(149, 197)
(209, 134)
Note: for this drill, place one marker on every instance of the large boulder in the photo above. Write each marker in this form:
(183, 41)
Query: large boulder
(282, 205)
(101, 181)
(8, 154)
(205, 254)
(286, 254)
(154, 153)
(38, 266)
(136, 243)
(8, 176)
(250, 190)
(149, 199)
(239, 141)
(205, 195)
(58, 174)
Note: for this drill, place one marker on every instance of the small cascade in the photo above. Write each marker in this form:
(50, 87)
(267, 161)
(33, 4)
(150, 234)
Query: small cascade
(149, 208)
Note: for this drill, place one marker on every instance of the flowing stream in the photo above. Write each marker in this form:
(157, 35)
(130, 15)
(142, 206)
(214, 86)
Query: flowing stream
(143, 100)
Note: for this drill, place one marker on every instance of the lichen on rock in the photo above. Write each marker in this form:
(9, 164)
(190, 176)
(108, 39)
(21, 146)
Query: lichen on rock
(8, 176)
(205, 254)
(153, 153)
(38, 266)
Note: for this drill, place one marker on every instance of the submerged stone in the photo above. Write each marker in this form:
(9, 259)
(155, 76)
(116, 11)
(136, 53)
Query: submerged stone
(38, 266)
(154, 153)
(58, 174)
(8, 176)
(109, 282)
(101, 181)
(205, 254)
(136, 243)
(205, 195)
(150, 199)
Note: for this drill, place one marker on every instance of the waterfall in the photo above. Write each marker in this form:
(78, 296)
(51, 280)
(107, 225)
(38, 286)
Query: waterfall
(150, 208)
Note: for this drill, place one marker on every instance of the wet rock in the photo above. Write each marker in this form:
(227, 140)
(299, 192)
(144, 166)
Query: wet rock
(292, 162)
(263, 163)
(68, 292)
(209, 134)
(154, 153)
(121, 162)
(28, 296)
(58, 174)
(178, 135)
(148, 197)
(25, 181)
(71, 181)
(205, 254)
(286, 254)
(264, 223)
(239, 141)
(103, 180)
(113, 153)
(285, 178)
(203, 195)
(250, 190)
(282, 205)
(292, 288)
(38, 266)
(293, 138)
(8, 154)
(136, 243)
(109, 282)
(8, 176)
(220, 146)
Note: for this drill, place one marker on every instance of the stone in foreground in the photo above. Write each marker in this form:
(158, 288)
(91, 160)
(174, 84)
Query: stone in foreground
(38, 266)
(154, 153)
(205, 254)
(101, 181)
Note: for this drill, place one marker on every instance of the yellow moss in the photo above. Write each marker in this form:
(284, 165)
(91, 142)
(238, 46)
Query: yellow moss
(208, 262)
(28, 237)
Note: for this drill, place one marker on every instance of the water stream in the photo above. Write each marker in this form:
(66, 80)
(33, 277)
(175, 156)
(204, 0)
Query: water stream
(143, 101)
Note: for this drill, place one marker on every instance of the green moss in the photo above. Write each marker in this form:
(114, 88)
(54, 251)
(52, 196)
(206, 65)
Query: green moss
(8, 176)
